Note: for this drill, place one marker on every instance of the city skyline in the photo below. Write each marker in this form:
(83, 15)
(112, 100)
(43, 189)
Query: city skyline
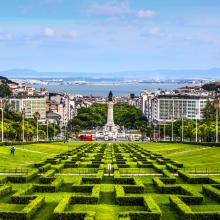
(109, 36)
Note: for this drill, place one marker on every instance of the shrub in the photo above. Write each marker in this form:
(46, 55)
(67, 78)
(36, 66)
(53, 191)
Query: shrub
(23, 178)
(45, 167)
(26, 213)
(46, 177)
(194, 179)
(5, 189)
(211, 192)
(82, 188)
(53, 187)
(21, 197)
(33, 206)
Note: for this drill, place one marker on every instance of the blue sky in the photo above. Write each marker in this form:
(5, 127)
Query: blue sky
(106, 36)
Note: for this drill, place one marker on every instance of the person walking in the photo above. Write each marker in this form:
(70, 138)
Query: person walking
(13, 151)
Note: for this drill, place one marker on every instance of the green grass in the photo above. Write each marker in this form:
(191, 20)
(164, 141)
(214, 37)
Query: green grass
(26, 155)
(190, 155)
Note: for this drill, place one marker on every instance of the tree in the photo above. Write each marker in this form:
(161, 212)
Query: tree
(96, 115)
(4, 90)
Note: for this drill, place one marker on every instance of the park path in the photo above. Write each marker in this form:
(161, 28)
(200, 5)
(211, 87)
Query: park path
(188, 151)
(33, 151)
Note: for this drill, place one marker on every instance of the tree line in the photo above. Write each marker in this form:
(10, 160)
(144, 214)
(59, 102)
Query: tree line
(13, 127)
(125, 116)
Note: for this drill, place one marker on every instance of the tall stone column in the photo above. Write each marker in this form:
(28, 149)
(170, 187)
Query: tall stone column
(110, 119)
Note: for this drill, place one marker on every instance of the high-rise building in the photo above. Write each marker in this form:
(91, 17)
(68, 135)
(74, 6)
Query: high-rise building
(30, 106)
(166, 108)
(145, 104)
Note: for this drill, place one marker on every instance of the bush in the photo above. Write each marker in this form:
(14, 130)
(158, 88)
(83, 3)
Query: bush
(3, 179)
(152, 211)
(46, 177)
(21, 197)
(211, 192)
(5, 189)
(26, 213)
(23, 178)
(82, 188)
(44, 168)
(33, 206)
(137, 188)
(53, 187)
(93, 180)
(188, 214)
(181, 207)
(194, 179)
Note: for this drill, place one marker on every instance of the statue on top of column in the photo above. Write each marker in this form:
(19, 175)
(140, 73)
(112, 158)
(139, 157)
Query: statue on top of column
(110, 95)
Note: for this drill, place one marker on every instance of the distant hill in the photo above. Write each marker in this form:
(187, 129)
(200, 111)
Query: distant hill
(213, 73)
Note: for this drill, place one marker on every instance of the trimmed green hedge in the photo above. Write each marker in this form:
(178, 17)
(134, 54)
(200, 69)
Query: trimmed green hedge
(152, 210)
(61, 211)
(188, 214)
(5, 189)
(194, 179)
(47, 178)
(53, 187)
(23, 178)
(211, 192)
(93, 180)
(26, 213)
(82, 188)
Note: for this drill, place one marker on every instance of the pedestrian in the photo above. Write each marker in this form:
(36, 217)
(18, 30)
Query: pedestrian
(13, 151)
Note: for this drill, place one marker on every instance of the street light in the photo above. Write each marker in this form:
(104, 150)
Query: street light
(23, 115)
(164, 132)
(172, 120)
(154, 133)
(47, 131)
(217, 107)
(2, 124)
(159, 132)
(197, 113)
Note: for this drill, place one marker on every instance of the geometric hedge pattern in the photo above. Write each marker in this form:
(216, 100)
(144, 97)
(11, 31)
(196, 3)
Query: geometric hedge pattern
(140, 185)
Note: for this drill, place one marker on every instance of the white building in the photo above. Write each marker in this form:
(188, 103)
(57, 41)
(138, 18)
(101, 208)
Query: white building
(145, 104)
(30, 105)
(166, 108)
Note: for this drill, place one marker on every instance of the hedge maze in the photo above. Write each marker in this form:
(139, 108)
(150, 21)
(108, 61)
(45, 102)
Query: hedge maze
(109, 181)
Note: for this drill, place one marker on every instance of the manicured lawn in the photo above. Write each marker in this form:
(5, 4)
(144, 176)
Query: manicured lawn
(191, 156)
(26, 155)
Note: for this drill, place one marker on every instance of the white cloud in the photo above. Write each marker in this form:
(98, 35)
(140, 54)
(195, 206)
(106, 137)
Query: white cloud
(146, 13)
(49, 32)
(109, 9)
(73, 35)
(155, 31)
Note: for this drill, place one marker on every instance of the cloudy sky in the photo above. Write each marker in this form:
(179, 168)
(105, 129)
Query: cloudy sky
(109, 35)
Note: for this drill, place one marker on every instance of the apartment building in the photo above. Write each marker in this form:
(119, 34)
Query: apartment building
(166, 108)
(30, 105)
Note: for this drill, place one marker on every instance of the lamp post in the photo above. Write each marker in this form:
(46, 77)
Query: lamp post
(2, 124)
(172, 127)
(197, 113)
(217, 107)
(159, 132)
(47, 131)
(54, 131)
(154, 133)
(164, 131)
(23, 115)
